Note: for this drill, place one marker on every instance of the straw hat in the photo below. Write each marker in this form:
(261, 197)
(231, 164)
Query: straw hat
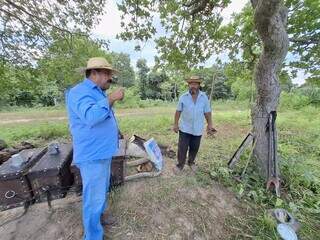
(194, 79)
(99, 63)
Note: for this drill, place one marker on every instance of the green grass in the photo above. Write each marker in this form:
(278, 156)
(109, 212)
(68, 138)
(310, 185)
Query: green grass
(17, 109)
(37, 132)
(299, 154)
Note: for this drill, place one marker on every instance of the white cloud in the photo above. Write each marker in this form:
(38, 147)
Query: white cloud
(109, 25)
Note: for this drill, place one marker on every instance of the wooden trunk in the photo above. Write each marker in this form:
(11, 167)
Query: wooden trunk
(118, 169)
(77, 181)
(51, 176)
(15, 187)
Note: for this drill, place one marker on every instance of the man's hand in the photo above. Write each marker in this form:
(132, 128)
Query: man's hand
(175, 128)
(116, 95)
(211, 130)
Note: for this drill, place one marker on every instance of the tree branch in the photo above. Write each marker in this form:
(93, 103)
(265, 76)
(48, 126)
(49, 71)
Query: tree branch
(266, 8)
(36, 17)
(191, 3)
(200, 7)
(253, 55)
(23, 22)
(307, 40)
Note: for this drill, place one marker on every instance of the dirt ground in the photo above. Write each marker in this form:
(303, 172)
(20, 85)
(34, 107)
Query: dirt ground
(166, 207)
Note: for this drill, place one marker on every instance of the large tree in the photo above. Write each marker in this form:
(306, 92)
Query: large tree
(61, 66)
(122, 62)
(27, 27)
(214, 82)
(243, 44)
(143, 71)
(270, 19)
(154, 83)
(191, 30)
(45, 82)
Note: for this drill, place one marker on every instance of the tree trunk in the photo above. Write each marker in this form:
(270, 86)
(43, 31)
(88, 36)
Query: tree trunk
(270, 18)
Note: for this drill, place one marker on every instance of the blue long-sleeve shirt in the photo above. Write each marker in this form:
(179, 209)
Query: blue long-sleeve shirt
(92, 123)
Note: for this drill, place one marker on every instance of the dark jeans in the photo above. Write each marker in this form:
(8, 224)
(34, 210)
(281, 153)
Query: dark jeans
(187, 142)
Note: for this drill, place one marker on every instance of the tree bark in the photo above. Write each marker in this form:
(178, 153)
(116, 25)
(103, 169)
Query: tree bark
(270, 18)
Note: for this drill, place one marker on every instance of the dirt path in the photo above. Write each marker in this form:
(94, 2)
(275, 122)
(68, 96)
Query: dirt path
(167, 207)
(26, 120)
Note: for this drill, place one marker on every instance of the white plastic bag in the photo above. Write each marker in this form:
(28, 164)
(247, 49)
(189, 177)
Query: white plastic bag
(154, 153)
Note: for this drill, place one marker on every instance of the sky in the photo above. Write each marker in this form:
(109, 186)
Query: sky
(109, 27)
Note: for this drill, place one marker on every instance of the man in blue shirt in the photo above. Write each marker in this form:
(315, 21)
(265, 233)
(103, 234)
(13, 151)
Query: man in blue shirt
(192, 109)
(94, 133)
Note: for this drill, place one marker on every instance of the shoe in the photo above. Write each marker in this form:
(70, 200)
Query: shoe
(177, 170)
(108, 220)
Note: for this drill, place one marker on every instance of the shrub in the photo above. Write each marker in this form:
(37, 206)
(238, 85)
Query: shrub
(293, 101)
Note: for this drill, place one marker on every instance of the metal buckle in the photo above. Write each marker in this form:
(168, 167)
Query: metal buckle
(10, 194)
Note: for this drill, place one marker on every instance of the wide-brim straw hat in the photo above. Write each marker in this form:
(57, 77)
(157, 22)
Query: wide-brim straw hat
(99, 63)
(194, 79)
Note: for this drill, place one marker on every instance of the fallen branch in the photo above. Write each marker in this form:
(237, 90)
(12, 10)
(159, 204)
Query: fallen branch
(137, 162)
(141, 175)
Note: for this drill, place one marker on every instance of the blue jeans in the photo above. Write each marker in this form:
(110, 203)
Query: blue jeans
(95, 184)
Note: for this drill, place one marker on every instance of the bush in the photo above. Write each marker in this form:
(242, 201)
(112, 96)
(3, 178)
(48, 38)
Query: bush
(313, 93)
(293, 101)
(132, 100)
(300, 98)
(152, 103)
(242, 90)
